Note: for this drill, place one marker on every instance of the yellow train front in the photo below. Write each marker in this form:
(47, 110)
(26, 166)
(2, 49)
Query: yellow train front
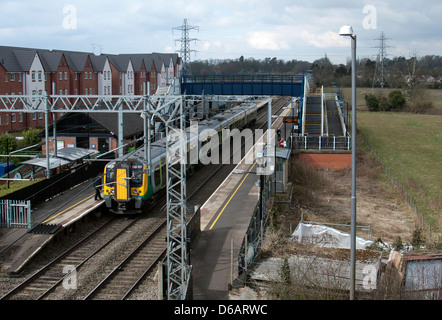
(126, 186)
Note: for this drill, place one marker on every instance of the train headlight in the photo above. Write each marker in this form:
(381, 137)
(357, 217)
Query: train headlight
(135, 192)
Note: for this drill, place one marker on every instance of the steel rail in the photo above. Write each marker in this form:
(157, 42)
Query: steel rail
(112, 274)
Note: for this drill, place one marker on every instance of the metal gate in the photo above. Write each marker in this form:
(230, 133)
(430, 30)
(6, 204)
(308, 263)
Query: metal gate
(15, 214)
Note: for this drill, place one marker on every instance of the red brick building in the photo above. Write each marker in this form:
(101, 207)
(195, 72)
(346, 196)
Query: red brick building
(29, 71)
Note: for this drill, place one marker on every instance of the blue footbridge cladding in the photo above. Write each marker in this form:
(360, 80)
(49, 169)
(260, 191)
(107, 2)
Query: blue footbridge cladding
(261, 84)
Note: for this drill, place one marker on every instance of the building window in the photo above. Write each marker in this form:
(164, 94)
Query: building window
(90, 75)
(85, 76)
(12, 76)
(66, 91)
(20, 77)
(60, 75)
(40, 115)
(85, 91)
(76, 91)
(61, 92)
(7, 119)
(20, 117)
(39, 76)
(13, 117)
(65, 75)
(6, 77)
(76, 75)
(34, 116)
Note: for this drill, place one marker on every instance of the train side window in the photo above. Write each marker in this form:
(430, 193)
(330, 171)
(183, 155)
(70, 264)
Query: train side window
(158, 175)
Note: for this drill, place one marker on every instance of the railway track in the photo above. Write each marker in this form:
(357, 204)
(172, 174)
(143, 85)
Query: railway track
(125, 277)
(43, 281)
(126, 262)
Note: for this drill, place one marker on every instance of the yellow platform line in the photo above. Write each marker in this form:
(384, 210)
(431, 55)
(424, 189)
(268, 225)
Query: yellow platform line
(221, 212)
(74, 205)
(231, 197)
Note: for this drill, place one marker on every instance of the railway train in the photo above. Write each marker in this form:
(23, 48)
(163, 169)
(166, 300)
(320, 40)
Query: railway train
(127, 187)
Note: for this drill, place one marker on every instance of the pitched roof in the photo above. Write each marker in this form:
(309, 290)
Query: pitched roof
(120, 62)
(76, 60)
(18, 59)
(98, 62)
(50, 60)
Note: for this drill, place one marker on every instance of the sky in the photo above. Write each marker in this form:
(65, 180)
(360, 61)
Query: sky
(227, 29)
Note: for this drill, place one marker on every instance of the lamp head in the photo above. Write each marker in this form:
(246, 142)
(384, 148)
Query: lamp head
(346, 31)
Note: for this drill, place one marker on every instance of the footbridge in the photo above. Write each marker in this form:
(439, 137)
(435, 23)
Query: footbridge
(251, 84)
(319, 114)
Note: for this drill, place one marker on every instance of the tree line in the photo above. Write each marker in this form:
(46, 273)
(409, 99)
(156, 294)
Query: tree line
(399, 69)
(407, 77)
(8, 144)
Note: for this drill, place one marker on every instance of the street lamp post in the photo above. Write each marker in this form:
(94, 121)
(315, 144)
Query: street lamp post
(348, 31)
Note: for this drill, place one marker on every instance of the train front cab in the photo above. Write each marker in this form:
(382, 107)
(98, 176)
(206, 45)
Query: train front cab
(126, 187)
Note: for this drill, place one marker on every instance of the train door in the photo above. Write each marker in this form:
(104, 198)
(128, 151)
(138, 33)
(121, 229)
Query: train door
(122, 181)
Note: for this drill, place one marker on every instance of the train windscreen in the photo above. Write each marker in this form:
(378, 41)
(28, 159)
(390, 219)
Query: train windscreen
(137, 175)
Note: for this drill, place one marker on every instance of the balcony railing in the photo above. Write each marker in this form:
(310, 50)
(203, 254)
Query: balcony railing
(321, 143)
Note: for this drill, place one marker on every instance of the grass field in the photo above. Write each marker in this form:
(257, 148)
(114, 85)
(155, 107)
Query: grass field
(433, 95)
(410, 145)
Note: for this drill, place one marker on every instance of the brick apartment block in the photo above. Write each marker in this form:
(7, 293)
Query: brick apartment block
(28, 71)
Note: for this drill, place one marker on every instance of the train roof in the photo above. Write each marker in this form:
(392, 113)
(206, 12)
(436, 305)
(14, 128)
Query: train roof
(158, 148)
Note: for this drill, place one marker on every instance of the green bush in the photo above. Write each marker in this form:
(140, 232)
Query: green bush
(29, 137)
(7, 145)
(372, 102)
(396, 100)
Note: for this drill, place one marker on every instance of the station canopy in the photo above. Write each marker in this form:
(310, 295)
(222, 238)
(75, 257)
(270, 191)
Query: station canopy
(64, 156)
(73, 153)
(41, 162)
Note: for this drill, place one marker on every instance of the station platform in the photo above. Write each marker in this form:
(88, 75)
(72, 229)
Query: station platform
(48, 219)
(225, 216)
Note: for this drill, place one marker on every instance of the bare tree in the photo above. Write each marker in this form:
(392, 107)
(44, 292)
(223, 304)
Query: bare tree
(411, 79)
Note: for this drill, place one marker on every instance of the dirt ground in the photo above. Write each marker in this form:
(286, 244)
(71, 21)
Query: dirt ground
(325, 196)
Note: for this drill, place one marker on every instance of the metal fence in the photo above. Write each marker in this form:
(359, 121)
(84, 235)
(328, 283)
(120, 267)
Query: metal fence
(321, 143)
(252, 242)
(15, 214)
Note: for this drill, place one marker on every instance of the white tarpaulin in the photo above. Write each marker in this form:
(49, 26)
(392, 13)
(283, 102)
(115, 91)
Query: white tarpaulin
(326, 236)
